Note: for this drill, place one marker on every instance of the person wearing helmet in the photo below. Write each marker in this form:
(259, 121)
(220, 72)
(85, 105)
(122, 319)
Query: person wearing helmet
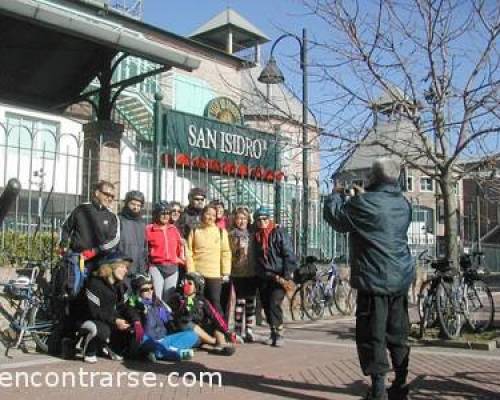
(191, 218)
(165, 251)
(153, 327)
(132, 236)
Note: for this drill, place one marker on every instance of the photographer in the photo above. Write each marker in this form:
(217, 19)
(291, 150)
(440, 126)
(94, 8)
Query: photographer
(381, 271)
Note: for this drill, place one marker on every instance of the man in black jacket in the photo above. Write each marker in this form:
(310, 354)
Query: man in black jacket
(92, 229)
(132, 236)
(381, 271)
(191, 218)
(275, 263)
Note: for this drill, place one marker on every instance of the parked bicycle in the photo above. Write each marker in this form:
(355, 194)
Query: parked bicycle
(32, 317)
(320, 289)
(450, 300)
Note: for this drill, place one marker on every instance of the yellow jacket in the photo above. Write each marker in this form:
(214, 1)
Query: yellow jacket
(206, 255)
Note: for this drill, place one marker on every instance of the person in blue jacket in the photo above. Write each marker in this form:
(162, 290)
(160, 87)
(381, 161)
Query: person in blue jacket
(153, 333)
(381, 270)
(275, 263)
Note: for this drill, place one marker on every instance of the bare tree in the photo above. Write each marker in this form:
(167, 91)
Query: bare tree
(439, 57)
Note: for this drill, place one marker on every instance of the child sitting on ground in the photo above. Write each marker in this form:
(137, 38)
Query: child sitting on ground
(193, 311)
(152, 326)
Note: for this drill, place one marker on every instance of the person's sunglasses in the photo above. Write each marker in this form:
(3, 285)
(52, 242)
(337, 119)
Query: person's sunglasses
(147, 289)
(198, 198)
(176, 211)
(108, 195)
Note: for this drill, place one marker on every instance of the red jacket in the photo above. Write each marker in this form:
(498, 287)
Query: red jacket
(164, 245)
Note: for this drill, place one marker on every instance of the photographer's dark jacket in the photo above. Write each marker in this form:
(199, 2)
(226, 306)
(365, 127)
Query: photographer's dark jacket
(91, 226)
(280, 259)
(378, 221)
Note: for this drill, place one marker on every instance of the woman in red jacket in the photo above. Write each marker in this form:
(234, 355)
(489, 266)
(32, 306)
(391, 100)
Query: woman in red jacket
(164, 250)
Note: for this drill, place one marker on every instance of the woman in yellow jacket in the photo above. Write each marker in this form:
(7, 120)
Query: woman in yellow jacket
(208, 253)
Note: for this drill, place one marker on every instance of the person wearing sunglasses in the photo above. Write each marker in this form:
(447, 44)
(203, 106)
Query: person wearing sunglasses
(165, 251)
(92, 229)
(132, 236)
(275, 263)
(191, 218)
(153, 332)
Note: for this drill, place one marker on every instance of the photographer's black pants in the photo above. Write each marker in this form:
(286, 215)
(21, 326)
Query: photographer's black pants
(382, 323)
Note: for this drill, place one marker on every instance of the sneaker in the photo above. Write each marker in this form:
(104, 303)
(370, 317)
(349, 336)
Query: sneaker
(91, 359)
(279, 341)
(67, 349)
(186, 355)
(224, 350)
(398, 392)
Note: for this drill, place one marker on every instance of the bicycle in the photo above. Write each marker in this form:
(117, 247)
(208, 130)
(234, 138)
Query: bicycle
(32, 309)
(451, 300)
(316, 294)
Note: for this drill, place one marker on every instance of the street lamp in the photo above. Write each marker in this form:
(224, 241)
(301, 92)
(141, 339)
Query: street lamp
(272, 75)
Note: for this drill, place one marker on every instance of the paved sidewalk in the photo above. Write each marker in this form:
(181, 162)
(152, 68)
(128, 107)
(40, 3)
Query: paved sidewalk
(318, 362)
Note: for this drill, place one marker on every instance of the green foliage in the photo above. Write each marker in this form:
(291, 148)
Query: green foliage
(14, 247)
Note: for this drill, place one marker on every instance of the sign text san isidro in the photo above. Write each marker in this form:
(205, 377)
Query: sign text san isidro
(219, 147)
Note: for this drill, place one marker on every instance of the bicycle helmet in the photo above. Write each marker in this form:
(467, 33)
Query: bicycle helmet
(134, 195)
(160, 208)
(139, 281)
(198, 280)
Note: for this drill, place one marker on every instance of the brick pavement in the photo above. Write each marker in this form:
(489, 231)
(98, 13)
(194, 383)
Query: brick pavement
(319, 362)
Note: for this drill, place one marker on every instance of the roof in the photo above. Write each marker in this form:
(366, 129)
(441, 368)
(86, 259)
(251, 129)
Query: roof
(215, 30)
(55, 49)
(282, 102)
(398, 136)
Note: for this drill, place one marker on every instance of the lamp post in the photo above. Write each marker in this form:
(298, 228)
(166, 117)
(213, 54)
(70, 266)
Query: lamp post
(272, 75)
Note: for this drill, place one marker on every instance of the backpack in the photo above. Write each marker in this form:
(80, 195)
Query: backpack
(70, 276)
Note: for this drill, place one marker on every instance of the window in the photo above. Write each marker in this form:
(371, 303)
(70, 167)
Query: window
(191, 95)
(426, 184)
(409, 183)
(23, 129)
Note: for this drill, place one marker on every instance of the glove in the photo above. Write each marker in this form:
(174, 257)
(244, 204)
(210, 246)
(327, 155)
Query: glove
(139, 332)
(89, 254)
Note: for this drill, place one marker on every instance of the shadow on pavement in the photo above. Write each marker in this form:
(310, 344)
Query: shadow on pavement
(286, 389)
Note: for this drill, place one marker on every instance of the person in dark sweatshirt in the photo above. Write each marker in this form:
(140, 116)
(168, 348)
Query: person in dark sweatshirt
(191, 217)
(132, 236)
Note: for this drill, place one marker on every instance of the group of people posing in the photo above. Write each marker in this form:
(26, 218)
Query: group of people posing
(164, 288)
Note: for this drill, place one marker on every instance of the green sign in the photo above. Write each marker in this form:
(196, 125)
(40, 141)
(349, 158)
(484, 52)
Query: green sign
(197, 138)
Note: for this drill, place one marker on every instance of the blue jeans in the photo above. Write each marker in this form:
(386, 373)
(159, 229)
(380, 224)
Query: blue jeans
(169, 347)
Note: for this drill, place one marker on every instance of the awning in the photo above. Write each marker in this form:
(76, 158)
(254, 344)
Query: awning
(50, 52)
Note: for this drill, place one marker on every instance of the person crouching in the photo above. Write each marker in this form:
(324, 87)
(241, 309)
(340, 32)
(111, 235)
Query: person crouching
(106, 322)
(152, 331)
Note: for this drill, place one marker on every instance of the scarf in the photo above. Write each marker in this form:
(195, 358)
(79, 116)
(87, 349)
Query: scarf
(129, 214)
(262, 237)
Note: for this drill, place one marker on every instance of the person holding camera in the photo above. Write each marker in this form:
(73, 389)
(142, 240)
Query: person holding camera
(381, 270)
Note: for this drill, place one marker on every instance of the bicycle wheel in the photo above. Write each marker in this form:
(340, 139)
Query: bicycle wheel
(296, 311)
(40, 326)
(344, 297)
(426, 306)
(479, 306)
(313, 302)
(449, 309)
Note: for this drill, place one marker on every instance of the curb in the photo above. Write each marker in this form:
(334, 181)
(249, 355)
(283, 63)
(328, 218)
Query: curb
(489, 345)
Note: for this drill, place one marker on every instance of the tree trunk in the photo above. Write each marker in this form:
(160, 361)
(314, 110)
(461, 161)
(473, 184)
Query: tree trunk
(450, 206)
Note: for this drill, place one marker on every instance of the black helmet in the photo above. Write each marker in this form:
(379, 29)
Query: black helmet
(134, 195)
(160, 208)
(140, 280)
(198, 280)
(197, 192)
